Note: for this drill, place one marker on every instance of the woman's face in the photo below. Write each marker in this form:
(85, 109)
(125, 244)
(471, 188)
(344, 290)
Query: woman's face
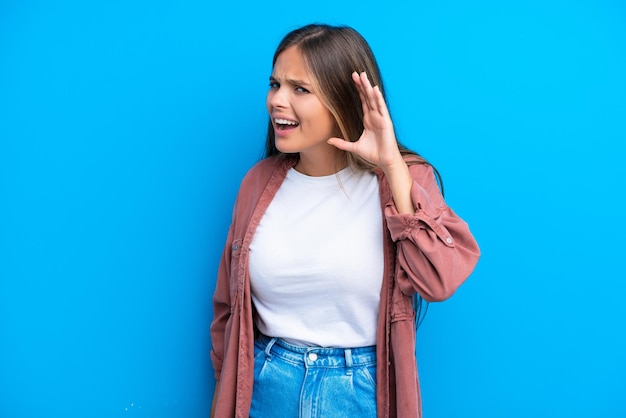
(302, 123)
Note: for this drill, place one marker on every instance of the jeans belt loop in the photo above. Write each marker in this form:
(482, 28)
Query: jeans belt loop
(348, 354)
(268, 349)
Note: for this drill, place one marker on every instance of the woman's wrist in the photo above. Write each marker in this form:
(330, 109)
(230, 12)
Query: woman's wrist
(400, 182)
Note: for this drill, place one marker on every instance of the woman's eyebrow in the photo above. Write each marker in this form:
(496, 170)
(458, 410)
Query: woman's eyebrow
(292, 81)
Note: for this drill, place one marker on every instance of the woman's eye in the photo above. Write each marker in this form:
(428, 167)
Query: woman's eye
(274, 85)
(302, 90)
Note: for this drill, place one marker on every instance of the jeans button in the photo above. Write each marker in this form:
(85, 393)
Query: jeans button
(312, 356)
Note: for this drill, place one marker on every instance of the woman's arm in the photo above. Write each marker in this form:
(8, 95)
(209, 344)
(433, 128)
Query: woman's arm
(377, 144)
(436, 251)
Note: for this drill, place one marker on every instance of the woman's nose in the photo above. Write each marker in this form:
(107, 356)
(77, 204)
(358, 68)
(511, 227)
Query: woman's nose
(278, 98)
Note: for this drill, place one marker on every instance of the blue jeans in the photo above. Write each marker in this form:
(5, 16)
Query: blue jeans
(311, 382)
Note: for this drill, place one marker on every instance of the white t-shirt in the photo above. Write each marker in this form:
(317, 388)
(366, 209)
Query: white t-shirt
(316, 260)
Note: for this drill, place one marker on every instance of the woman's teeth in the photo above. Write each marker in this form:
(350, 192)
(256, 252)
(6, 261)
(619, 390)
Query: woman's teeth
(285, 123)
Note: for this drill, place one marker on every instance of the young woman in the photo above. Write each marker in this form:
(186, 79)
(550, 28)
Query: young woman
(332, 237)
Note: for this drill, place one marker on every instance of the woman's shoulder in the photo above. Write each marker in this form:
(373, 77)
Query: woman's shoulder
(266, 166)
(261, 171)
(418, 166)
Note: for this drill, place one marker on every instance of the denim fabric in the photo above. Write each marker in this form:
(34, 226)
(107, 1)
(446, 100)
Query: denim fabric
(312, 382)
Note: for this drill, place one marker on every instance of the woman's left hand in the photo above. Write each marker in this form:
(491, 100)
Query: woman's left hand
(377, 144)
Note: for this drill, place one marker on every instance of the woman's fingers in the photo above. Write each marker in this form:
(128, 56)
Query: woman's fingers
(371, 97)
(370, 92)
(365, 91)
(359, 89)
(380, 101)
(343, 144)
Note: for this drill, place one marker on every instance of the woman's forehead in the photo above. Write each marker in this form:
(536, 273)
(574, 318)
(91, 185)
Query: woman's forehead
(291, 66)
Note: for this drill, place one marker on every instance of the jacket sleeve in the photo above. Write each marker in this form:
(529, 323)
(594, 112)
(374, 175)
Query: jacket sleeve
(221, 306)
(436, 251)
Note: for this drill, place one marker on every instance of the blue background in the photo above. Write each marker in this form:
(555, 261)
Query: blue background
(126, 126)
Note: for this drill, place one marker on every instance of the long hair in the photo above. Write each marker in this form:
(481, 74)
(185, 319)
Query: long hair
(332, 54)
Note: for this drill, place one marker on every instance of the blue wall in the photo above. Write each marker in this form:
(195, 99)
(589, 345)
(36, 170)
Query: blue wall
(125, 128)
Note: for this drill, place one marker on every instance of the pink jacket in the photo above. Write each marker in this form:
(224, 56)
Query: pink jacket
(431, 252)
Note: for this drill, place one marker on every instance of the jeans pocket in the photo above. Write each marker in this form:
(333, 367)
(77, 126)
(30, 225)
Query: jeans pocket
(363, 403)
(258, 349)
(259, 359)
(369, 374)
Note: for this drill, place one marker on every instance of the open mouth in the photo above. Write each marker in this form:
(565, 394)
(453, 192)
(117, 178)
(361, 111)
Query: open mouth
(283, 124)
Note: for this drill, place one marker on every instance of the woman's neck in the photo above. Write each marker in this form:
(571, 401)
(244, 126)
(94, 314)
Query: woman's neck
(320, 167)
